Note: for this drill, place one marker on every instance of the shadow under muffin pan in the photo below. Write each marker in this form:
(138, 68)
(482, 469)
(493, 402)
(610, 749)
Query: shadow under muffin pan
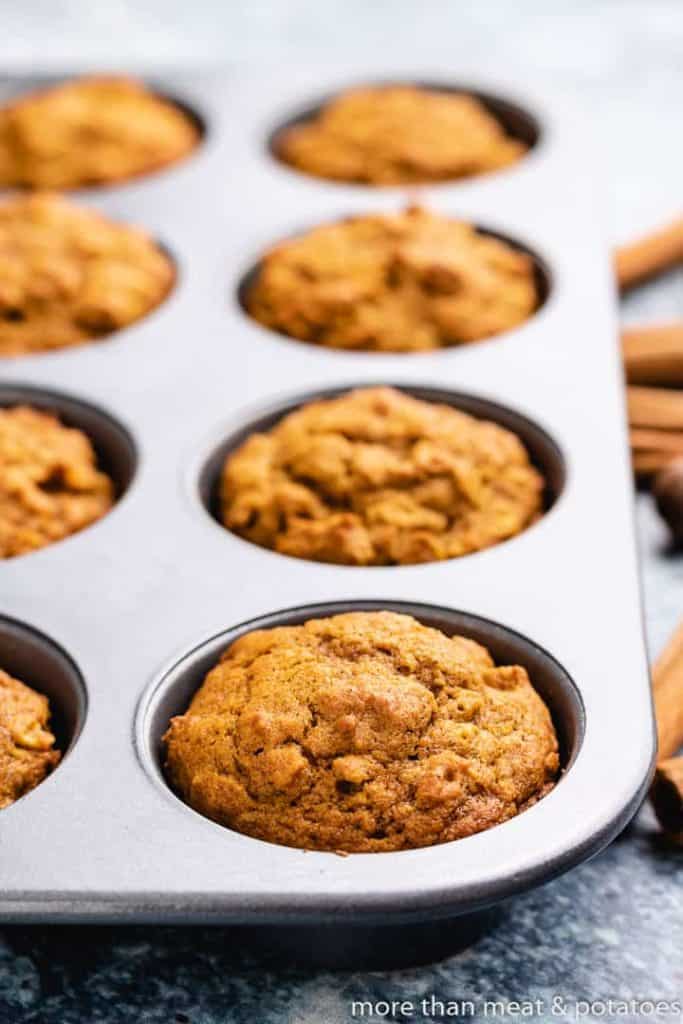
(132, 598)
(543, 452)
(542, 275)
(517, 122)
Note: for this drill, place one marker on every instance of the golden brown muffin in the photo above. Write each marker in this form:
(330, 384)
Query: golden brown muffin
(398, 135)
(50, 485)
(405, 282)
(362, 732)
(376, 477)
(90, 131)
(68, 275)
(26, 743)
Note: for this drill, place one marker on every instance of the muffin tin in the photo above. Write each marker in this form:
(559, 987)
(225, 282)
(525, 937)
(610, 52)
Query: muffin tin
(118, 623)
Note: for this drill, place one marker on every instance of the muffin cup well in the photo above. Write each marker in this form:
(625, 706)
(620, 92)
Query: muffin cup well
(36, 660)
(544, 452)
(543, 282)
(114, 446)
(170, 694)
(517, 122)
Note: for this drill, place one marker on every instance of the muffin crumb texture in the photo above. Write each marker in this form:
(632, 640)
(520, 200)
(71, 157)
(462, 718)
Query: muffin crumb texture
(50, 485)
(364, 732)
(405, 282)
(26, 743)
(398, 135)
(68, 275)
(376, 477)
(90, 131)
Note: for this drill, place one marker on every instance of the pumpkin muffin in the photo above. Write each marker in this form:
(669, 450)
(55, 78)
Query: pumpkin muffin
(363, 732)
(68, 275)
(376, 477)
(26, 743)
(398, 135)
(50, 486)
(403, 282)
(90, 131)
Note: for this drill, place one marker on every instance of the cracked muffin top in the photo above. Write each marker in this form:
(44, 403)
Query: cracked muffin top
(68, 275)
(90, 131)
(376, 477)
(364, 732)
(398, 135)
(50, 486)
(402, 282)
(26, 743)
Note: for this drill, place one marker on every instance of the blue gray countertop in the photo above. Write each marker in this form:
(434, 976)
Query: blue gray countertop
(611, 929)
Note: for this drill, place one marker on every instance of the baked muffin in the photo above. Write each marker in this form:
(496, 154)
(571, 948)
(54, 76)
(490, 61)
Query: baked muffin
(398, 135)
(90, 131)
(68, 275)
(403, 282)
(376, 477)
(363, 732)
(27, 751)
(50, 486)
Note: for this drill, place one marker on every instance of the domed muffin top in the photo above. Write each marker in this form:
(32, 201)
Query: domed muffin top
(68, 275)
(398, 135)
(402, 282)
(50, 484)
(362, 732)
(90, 131)
(376, 477)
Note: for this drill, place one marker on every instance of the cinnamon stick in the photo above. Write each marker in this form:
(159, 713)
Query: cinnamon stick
(666, 792)
(649, 439)
(655, 407)
(649, 255)
(667, 692)
(653, 355)
(647, 464)
(667, 796)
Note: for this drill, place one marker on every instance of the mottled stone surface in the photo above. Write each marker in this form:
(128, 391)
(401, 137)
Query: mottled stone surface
(611, 928)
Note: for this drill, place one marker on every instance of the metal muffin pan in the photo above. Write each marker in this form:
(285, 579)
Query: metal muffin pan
(145, 599)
